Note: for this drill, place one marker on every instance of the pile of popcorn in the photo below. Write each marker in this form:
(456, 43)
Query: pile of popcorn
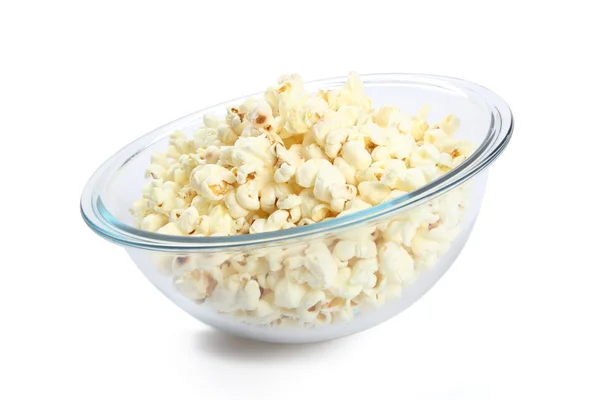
(294, 158)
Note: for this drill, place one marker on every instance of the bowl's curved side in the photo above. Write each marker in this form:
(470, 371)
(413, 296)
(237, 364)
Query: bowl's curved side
(150, 263)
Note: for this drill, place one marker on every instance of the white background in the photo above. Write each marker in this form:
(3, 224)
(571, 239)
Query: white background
(515, 317)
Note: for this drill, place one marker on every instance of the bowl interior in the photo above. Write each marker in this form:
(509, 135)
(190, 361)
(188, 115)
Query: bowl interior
(126, 177)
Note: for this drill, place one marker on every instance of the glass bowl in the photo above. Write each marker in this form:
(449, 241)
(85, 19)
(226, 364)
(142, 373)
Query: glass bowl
(437, 218)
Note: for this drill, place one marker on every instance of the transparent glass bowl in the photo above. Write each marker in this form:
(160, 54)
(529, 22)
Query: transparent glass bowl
(175, 263)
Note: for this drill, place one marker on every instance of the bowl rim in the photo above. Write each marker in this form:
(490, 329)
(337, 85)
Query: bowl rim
(101, 221)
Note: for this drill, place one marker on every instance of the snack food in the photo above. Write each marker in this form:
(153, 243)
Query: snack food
(292, 159)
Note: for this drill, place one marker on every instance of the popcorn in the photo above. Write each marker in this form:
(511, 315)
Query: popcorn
(156, 171)
(395, 264)
(319, 212)
(342, 286)
(445, 160)
(334, 142)
(235, 120)
(260, 114)
(392, 172)
(346, 169)
(247, 196)
(245, 173)
(313, 151)
(270, 194)
(201, 204)
(293, 159)
(352, 94)
(425, 156)
(276, 220)
(185, 196)
(226, 134)
(348, 115)
(306, 174)
(181, 265)
(449, 124)
(354, 205)
(188, 220)
(241, 226)
(346, 249)
(398, 144)
(373, 192)
(380, 153)
(141, 208)
(320, 265)
(455, 147)
(406, 180)
(288, 202)
(170, 229)
(153, 222)
(420, 124)
(356, 155)
(284, 173)
(258, 226)
(386, 116)
(197, 284)
(249, 151)
(435, 136)
(236, 293)
(404, 228)
(426, 249)
(178, 143)
(395, 194)
(272, 279)
(211, 181)
(291, 156)
(373, 173)
(220, 221)
(296, 106)
(295, 214)
(289, 294)
(234, 207)
(211, 155)
(202, 138)
(308, 309)
(274, 259)
(210, 120)
(330, 307)
(162, 197)
(266, 312)
(329, 179)
(159, 159)
(363, 272)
